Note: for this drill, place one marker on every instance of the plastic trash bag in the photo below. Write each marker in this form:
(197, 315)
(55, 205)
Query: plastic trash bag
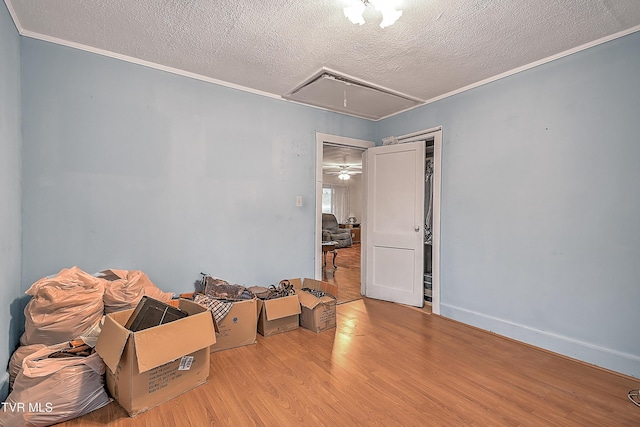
(48, 391)
(125, 288)
(63, 307)
(18, 356)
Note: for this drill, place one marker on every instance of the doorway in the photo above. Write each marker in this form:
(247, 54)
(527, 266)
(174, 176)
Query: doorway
(342, 197)
(342, 191)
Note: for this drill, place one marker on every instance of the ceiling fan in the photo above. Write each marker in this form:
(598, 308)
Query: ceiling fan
(343, 171)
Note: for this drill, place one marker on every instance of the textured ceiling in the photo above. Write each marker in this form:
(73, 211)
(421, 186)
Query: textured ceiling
(270, 47)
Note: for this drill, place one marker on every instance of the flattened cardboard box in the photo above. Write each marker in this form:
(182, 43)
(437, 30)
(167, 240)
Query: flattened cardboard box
(238, 328)
(278, 315)
(152, 366)
(317, 314)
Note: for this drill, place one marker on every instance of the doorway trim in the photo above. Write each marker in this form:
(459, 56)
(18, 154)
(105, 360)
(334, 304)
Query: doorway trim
(321, 138)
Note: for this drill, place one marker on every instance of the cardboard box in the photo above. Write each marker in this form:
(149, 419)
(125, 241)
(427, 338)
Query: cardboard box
(238, 328)
(317, 314)
(278, 315)
(152, 366)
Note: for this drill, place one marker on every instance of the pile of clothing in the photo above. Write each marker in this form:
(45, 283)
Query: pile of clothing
(218, 295)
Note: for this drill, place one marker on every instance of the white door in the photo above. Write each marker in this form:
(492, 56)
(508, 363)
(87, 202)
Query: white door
(394, 245)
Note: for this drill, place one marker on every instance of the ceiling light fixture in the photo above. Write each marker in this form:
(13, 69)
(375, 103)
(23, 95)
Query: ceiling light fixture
(344, 175)
(357, 7)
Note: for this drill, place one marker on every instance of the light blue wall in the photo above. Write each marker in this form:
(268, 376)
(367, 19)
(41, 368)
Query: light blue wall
(133, 168)
(129, 167)
(541, 204)
(10, 192)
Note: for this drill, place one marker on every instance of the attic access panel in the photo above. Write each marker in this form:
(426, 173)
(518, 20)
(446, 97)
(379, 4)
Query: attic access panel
(335, 92)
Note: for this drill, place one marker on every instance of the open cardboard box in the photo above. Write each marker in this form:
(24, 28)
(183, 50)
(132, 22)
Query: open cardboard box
(152, 366)
(238, 328)
(317, 314)
(278, 315)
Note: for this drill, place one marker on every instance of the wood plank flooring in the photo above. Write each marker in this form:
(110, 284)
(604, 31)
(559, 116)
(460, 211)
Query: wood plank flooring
(347, 275)
(390, 365)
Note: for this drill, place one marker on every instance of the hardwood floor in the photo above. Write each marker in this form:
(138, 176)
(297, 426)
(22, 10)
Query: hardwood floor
(347, 275)
(389, 365)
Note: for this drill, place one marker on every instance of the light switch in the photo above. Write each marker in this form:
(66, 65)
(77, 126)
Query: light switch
(298, 201)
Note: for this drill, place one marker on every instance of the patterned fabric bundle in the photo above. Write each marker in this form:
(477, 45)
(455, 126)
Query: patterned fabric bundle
(218, 307)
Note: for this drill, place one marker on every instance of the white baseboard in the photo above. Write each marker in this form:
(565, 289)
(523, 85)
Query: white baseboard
(624, 363)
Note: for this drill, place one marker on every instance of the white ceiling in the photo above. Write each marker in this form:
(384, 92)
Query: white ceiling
(437, 47)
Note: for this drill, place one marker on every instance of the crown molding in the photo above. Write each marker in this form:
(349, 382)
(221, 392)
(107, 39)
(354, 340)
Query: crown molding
(38, 36)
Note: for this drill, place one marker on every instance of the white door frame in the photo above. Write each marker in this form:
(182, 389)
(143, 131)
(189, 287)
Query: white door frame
(437, 182)
(321, 138)
(435, 255)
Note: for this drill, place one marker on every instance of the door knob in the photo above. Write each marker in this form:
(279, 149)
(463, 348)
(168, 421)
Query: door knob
(417, 228)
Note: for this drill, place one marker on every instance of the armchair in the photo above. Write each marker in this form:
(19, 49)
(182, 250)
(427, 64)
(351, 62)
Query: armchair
(332, 231)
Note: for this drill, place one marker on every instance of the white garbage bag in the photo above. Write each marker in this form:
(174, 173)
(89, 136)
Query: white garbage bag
(48, 391)
(63, 307)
